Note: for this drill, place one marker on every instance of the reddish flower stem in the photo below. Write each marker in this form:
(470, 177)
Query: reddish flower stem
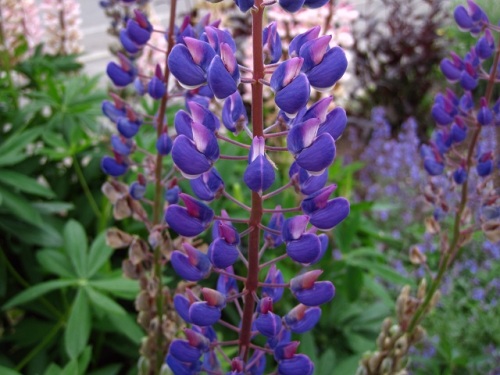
(257, 210)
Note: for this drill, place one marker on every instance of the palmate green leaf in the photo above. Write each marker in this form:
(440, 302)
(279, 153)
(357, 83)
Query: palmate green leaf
(99, 254)
(55, 262)
(37, 291)
(79, 323)
(12, 150)
(103, 302)
(71, 368)
(358, 342)
(53, 369)
(20, 207)
(24, 183)
(364, 252)
(347, 366)
(120, 286)
(8, 371)
(60, 208)
(355, 280)
(75, 244)
(326, 363)
(127, 326)
(55, 140)
(84, 360)
(113, 369)
(44, 235)
(382, 270)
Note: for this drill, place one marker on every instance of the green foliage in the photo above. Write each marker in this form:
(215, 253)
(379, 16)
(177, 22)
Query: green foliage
(79, 296)
(62, 294)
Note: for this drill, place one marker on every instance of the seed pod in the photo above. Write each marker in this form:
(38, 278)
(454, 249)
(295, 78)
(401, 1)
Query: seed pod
(117, 239)
(137, 251)
(422, 288)
(386, 366)
(374, 362)
(416, 256)
(401, 346)
(435, 299)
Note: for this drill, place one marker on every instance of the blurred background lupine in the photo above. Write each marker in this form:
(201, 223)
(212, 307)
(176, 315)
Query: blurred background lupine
(186, 171)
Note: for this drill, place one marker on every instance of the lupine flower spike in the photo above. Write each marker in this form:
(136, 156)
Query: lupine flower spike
(202, 59)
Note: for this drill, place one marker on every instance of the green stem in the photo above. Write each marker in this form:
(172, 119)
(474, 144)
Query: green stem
(86, 189)
(26, 284)
(158, 197)
(453, 248)
(46, 340)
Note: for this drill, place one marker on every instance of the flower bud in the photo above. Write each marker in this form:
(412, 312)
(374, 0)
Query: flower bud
(259, 175)
(272, 44)
(234, 114)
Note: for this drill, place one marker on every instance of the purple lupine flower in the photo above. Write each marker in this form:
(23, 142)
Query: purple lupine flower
(114, 167)
(208, 186)
(189, 63)
(192, 264)
(473, 19)
(123, 74)
(195, 155)
(305, 182)
(310, 292)
(138, 188)
(291, 86)
(164, 144)
(115, 110)
(323, 213)
(275, 223)
(122, 145)
(205, 313)
(485, 164)
(234, 115)
(223, 73)
(274, 276)
(244, 5)
(191, 220)
(156, 87)
(302, 247)
(272, 44)
(312, 152)
(226, 284)
(302, 318)
(203, 116)
(485, 45)
(301, 39)
(259, 175)
(223, 251)
(268, 323)
(484, 114)
(322, 65)
(172, 194)
(139, 29)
